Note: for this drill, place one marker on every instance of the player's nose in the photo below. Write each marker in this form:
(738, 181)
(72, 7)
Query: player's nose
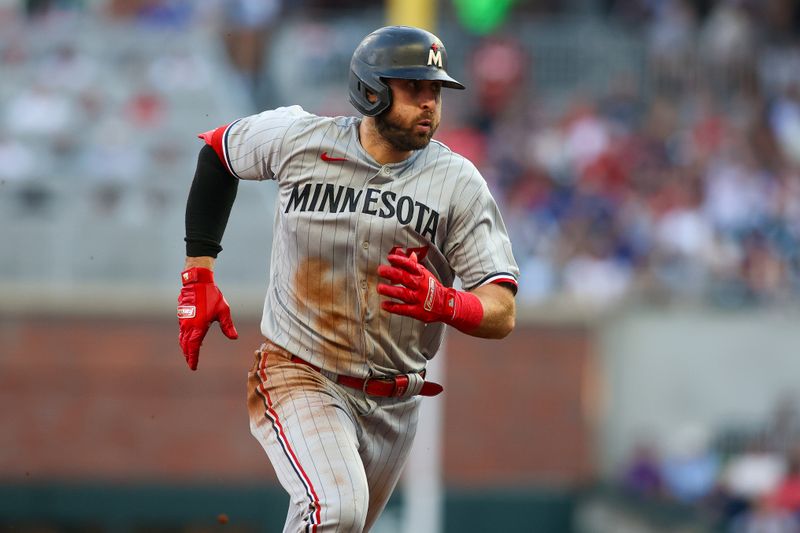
(427, 96)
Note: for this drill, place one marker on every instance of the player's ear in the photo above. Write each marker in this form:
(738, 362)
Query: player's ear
(372, 97)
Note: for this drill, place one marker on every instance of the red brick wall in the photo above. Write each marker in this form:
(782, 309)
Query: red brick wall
(515, 408)
(112, 399)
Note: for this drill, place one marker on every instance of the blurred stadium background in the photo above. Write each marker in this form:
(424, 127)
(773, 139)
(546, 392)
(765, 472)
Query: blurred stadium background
(646, 156)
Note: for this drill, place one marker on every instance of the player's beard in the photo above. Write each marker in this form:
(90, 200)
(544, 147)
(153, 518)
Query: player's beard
(404, 138)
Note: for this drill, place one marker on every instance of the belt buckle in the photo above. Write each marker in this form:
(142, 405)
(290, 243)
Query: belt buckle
(400, 382)
(400, 385)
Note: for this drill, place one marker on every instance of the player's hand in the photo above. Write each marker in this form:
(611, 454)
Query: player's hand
(199, 304)
(420, 294)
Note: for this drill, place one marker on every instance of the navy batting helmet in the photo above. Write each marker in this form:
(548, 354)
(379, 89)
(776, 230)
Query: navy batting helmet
(395, 52)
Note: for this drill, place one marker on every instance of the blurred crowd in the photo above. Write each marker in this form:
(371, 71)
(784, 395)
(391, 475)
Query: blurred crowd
(82, 109)
(681, 182)
(678, 180)
(742, 480)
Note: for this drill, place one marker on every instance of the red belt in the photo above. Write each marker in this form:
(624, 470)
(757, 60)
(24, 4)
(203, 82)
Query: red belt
(388, 387)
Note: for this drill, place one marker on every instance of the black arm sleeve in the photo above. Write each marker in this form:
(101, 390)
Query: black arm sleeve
(209, 205)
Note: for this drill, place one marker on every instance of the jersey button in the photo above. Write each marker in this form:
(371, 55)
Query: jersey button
(363, 284)
(385, 170)
(365, 245)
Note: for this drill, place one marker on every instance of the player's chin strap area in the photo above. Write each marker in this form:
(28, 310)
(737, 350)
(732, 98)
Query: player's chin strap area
(400, 386)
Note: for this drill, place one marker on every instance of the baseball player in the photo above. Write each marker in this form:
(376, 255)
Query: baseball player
(374, 221)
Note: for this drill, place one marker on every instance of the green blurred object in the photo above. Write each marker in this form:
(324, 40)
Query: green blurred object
(542, 509)
(482, 16)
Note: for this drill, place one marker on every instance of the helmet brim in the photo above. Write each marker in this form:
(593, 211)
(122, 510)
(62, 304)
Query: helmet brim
(422, 73)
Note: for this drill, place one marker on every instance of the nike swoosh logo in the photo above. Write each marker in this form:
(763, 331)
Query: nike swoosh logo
(328, 159)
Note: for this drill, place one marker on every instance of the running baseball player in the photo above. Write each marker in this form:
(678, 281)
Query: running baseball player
(374, 221)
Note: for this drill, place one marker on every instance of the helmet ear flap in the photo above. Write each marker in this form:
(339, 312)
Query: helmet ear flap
(360, 92)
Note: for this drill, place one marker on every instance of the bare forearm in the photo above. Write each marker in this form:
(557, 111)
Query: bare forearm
(499, 312)
(202, 261)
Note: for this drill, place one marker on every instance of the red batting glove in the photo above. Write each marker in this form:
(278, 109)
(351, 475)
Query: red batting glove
(199, 304)
(423, 297)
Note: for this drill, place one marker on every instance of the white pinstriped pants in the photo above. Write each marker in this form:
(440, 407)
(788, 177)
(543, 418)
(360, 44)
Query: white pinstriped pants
(338, 453)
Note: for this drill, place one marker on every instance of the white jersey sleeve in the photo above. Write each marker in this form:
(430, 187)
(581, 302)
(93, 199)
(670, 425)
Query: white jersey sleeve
(478, 248)
(253, 146)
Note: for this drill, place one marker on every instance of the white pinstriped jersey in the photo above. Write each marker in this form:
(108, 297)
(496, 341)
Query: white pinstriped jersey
(338, 215)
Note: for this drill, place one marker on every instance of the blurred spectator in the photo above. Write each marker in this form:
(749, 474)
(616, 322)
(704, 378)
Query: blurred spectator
(17, 160)
(690, 466)
(176, 72)
(783, 427)
(672, 32)
(66, 68)
(736, 196)
(752, 475)
(145, 109)
(111, 155)
(39, 110)
(499, 67)
(728, 44)
(34, 200)
(684, 239)
(35, 9)
(765, 518)
(176, 14)
(247, 31)
(641, 477)
(786, 495)
(593, 275)
(784, 117)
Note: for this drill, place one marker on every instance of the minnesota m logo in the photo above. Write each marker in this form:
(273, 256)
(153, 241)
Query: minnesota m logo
(435, 55)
